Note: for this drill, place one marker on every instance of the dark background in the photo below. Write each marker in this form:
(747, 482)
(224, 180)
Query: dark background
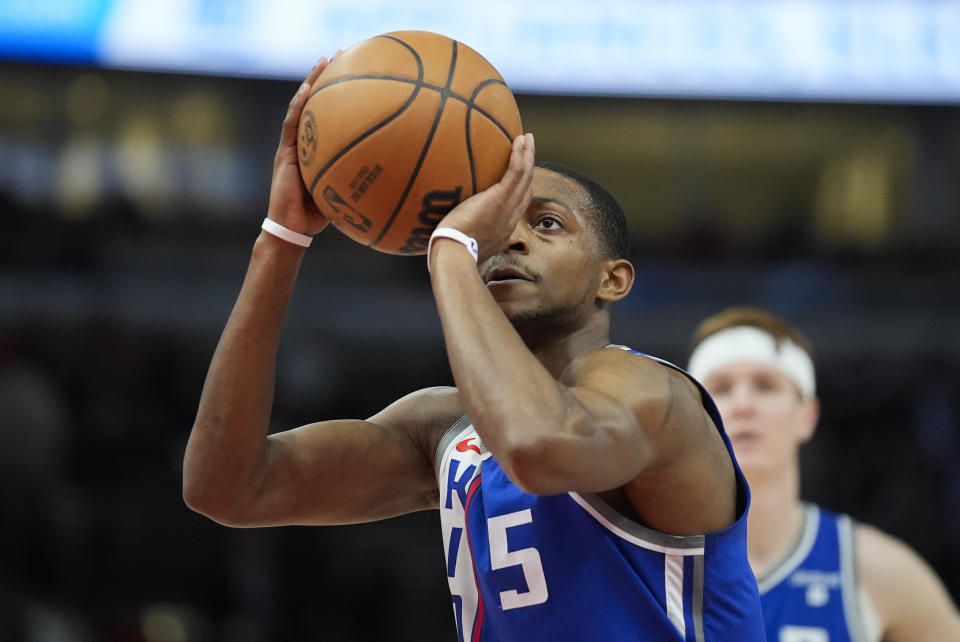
(131, 201)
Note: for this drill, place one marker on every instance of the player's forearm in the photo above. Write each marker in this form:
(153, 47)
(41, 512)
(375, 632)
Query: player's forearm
(513, 400)
(227, 445)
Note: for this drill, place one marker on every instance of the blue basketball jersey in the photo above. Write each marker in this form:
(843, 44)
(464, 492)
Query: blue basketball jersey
(569, 567)
(812, 595)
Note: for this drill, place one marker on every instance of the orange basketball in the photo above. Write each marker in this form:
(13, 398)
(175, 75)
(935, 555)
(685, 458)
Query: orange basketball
(400, 128)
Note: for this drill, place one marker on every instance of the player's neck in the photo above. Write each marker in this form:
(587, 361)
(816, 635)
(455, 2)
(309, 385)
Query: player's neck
(557, 351)
(775, 519)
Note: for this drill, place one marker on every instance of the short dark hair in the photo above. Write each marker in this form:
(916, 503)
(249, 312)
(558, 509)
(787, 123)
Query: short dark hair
(609, 217)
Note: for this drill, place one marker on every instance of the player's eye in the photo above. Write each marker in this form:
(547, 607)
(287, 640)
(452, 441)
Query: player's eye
(765, 384)
(548, 223)
(718, 390)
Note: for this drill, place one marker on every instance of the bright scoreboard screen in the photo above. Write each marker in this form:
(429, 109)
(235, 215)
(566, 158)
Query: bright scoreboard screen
(860, 50)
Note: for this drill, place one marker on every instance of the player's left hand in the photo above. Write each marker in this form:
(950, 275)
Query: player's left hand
(290, 203)
(492, 215)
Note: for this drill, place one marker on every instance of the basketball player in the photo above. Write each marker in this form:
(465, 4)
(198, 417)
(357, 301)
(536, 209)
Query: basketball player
(586, 492)
(822, 576)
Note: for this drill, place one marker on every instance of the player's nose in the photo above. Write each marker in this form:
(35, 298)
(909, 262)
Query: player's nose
(741, 402)
(519, 240)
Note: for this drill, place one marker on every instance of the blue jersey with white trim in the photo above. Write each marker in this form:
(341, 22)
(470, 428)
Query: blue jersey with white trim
(569, 567)
(812, 595)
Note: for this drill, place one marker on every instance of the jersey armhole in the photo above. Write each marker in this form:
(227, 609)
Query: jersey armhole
(863, 621)
(458, 427)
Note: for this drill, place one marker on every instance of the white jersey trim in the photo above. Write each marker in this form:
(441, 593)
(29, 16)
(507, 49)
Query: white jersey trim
(811, 524)
(673, 582)
(448, 441)
(678, 544)
(461, 576)
(863, 623)
(872, 625)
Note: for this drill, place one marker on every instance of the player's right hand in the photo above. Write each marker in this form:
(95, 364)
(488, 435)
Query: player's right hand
(290, 203)
(491, 216)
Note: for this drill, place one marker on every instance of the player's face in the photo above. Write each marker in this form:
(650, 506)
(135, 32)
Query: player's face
(764, 414)
(549, 273)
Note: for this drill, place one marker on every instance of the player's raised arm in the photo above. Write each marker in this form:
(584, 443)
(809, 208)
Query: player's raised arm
(237, 475)
(557, 414)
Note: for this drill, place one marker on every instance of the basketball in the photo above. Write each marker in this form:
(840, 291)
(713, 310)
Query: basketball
(399, 129)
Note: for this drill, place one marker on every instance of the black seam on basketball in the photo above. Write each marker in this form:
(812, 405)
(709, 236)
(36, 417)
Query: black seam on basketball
(496, 123)
(426, 147)
(416, 56)
(359, 139)
(471, 105)
(356, 141)
(466, 136)
(411, 81)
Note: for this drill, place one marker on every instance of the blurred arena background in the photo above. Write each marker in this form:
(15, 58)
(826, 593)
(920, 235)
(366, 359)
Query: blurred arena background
(798, 155)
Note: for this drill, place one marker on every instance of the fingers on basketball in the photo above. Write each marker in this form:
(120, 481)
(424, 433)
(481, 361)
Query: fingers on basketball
(413, 123)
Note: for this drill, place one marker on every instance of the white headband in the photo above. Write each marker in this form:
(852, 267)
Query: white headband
(748, 343)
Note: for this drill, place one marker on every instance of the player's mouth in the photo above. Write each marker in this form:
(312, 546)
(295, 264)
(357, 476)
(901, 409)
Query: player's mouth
(506, 275)
(744, 437)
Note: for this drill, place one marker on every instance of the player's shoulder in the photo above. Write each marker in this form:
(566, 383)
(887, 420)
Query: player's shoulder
(432, 397)
(906, 592)
(662, 397)
(424, 415)
(428, 407)
(630, 375)
(888, 568)
(615, 359)
(881, 556)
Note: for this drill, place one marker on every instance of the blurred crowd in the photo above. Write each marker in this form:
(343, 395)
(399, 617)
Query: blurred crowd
(108, 319)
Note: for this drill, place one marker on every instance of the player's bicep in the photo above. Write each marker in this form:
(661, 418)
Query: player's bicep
(347, 471)
(344, 471)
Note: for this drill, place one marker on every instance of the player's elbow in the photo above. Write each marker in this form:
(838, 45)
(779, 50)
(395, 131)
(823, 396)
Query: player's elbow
(535, 466)
(586, 458)
(219, 513)
(524, 468)
(200, 499)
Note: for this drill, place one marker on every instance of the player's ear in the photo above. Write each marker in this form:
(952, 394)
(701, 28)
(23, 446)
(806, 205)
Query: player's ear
(811, 416)
(616, 280)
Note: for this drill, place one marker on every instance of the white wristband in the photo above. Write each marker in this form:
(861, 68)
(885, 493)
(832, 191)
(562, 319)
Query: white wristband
(286, 234)
(456, 235)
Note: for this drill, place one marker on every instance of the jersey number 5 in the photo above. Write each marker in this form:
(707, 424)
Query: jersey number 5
(528, 559)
